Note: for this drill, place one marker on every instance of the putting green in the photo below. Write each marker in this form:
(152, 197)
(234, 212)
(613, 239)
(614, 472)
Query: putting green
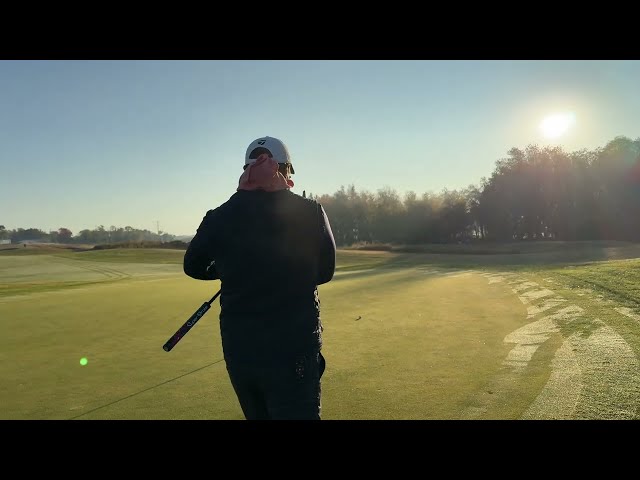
(406, 337)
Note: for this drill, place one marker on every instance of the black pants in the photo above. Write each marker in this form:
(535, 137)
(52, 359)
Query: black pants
(284, 389)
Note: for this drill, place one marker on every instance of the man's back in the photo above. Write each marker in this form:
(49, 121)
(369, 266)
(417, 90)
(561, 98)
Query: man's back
(271, 251)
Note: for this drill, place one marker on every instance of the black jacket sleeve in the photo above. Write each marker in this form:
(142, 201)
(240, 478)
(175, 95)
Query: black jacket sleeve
(199, 261)
(327, 265)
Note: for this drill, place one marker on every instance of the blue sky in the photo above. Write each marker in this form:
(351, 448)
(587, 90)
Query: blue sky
(132, 143)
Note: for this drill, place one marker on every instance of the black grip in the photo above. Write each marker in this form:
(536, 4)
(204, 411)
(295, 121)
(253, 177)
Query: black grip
(182, 331)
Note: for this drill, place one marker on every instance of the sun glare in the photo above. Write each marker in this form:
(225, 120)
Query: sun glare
(556, 125)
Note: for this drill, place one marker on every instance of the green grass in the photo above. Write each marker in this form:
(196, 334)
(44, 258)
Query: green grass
(133, 255)
(30, 249)
(619, 280)
(347, 261)
(404, 346)
(404, 338)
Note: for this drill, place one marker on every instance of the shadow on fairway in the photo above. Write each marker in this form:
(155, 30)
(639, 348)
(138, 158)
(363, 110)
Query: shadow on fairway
(145, 390)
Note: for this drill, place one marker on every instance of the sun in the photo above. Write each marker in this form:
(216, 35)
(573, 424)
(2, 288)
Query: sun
(557, 124)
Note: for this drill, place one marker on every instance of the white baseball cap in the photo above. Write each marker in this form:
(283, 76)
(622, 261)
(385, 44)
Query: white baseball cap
(276, 147)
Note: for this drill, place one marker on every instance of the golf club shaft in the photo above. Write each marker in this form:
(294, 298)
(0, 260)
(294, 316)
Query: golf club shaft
(182, 331)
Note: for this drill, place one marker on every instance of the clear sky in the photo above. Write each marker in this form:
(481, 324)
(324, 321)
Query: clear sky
(132, 143)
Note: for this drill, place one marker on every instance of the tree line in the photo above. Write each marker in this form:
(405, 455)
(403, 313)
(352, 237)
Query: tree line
(99, 235)
(534, 193)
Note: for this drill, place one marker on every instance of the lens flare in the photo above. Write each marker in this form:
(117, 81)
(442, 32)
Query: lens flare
(83, 361)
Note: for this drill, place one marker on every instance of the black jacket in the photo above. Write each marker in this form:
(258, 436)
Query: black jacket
(270, 250)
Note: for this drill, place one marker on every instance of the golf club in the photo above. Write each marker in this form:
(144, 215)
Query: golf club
(182, 331)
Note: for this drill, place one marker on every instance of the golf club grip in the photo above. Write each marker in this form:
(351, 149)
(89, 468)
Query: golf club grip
(182, 331)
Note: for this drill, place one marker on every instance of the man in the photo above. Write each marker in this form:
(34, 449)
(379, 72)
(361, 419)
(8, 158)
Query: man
(271, 249)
